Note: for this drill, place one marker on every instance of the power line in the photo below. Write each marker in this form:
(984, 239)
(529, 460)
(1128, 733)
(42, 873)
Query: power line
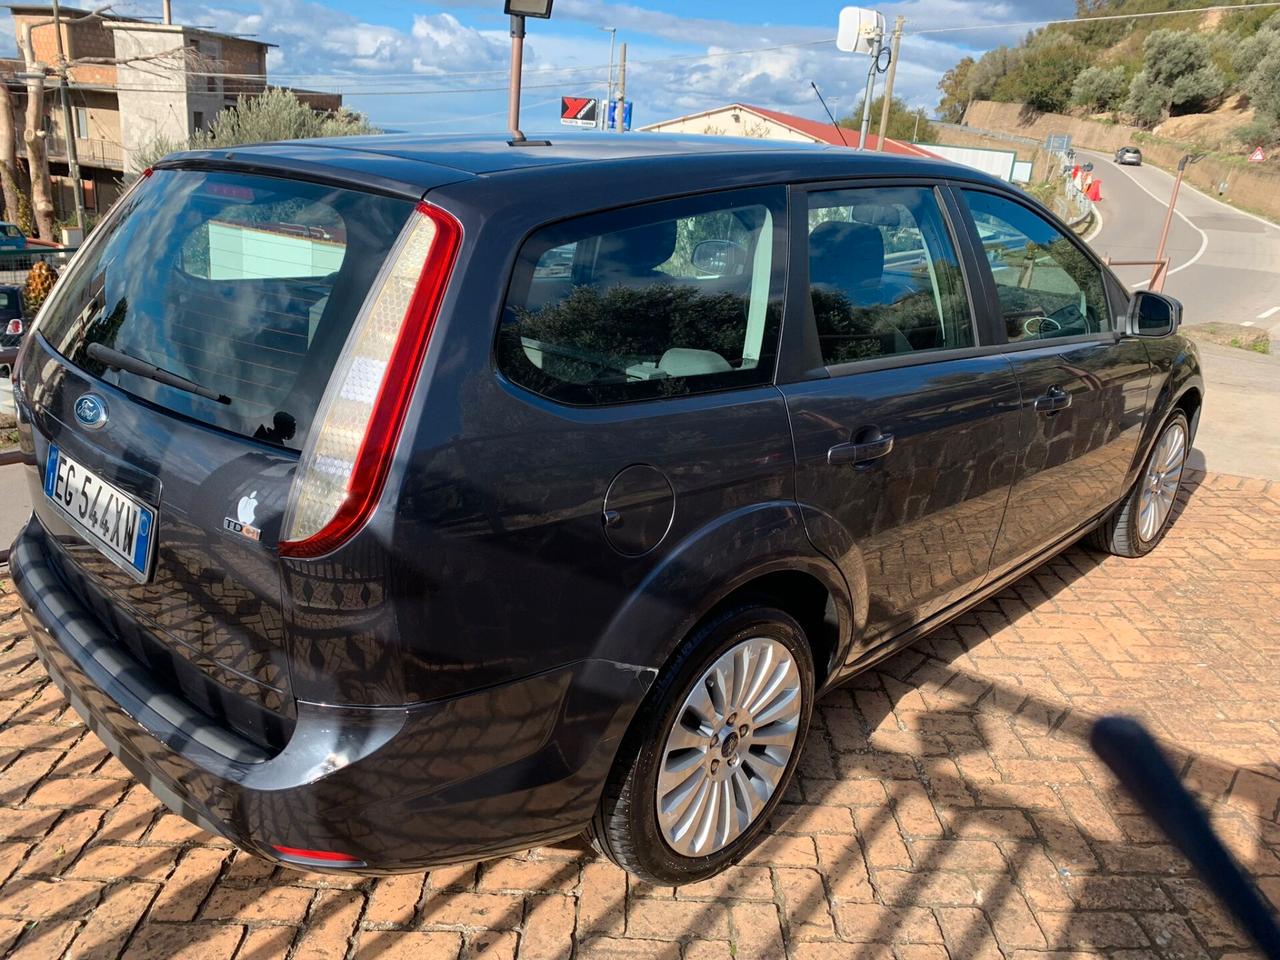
(376, 85)
(1119, 16)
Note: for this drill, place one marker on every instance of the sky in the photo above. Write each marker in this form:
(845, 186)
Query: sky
(441, 67)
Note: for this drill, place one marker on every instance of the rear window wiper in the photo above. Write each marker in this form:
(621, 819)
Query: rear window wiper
(122, 361)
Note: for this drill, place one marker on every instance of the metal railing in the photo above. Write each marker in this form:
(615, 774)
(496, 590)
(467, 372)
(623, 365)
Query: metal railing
(1073, 206)
(8, 357)
(16, 264)
(91, 153)
(1156, 283)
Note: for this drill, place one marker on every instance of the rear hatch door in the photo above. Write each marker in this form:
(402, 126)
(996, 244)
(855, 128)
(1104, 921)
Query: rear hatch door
(172, 382)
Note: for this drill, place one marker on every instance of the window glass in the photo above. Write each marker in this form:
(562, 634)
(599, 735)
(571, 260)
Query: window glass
(1048, 287)
(661, 300)
(883, 275)
(246, 285)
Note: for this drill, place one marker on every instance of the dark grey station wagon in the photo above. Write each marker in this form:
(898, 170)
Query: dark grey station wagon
(402, 501)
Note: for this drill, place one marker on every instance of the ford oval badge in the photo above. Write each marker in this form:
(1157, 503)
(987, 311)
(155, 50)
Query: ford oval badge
(91, 410)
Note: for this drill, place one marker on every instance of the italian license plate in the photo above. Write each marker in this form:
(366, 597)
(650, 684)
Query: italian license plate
(115, 523)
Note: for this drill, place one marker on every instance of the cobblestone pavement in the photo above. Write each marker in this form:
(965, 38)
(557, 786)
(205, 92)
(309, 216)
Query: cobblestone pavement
(946, 806)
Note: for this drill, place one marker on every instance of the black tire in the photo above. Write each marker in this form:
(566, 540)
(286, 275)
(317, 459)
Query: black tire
(1118, 534)
(626, 828)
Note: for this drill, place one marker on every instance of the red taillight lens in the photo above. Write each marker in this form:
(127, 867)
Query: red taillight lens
(13, 327)
(344, 466)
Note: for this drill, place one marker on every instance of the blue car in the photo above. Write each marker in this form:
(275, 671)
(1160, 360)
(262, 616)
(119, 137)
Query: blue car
(12, 237)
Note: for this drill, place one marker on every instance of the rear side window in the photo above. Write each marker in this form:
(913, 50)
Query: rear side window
(884, 278)
(661, 300)
(245, 285)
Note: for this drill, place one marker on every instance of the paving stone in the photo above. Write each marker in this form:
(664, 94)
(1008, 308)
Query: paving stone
(948, 804)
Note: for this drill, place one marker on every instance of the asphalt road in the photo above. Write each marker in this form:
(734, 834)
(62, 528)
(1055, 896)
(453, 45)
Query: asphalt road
(1224, 264)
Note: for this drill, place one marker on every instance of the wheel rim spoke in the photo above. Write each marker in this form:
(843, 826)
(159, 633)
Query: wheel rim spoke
(1161, 481)
(715, 777)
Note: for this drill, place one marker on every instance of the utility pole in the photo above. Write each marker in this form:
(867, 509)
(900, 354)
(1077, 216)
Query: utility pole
(73, 159)
(888, 83)
(608, 99)
(871, 91)
(622, 91)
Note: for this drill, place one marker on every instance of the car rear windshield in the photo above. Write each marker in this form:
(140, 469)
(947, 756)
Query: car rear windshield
(244, 285)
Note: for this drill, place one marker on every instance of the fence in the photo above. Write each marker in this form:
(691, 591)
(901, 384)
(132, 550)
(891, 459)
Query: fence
(16, 264)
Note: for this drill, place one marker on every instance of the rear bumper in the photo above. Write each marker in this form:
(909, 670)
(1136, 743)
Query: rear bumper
(396, 788)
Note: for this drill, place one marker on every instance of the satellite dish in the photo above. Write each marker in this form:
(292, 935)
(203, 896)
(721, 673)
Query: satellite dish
(858, 30)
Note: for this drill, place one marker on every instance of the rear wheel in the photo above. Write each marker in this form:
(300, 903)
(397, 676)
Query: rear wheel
(712, 749)
(1144, 517)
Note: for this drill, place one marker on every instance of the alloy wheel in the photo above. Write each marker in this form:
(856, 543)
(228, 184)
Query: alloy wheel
(1160, 484)
(728, 747)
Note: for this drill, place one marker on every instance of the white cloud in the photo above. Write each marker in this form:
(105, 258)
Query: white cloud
(317, 42)
(317, 39)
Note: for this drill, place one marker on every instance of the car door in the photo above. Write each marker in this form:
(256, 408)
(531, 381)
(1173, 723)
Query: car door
(1084, 384)
(904, 431)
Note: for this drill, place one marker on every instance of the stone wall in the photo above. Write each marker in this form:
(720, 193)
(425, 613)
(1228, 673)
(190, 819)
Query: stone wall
(1246, 187)
(955, 135)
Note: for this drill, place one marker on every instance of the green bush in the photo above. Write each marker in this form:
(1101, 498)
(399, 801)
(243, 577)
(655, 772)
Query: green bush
(1178, 76)
(1044, 78)
(273, 115)
(1099, 88)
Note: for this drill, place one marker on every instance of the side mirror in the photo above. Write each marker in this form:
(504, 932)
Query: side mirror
(1153, 315)
(718, 258)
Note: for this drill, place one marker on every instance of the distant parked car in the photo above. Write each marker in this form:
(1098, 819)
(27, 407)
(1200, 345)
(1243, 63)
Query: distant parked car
(1131, 156)
(12, 237)
(12, 325)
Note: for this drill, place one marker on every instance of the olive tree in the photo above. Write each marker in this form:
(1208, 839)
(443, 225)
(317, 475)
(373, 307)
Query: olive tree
(1099, 88)
(1258, 61)
(273, 115)
(1178, 76)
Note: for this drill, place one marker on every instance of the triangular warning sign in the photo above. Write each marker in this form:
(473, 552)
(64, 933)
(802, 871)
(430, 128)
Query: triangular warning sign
(1257, 156)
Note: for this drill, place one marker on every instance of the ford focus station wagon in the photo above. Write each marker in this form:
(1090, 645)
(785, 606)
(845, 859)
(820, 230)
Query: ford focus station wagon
(406, 501)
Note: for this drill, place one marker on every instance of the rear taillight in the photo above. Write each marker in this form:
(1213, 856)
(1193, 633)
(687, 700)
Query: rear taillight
(14, 327)
(344, 466)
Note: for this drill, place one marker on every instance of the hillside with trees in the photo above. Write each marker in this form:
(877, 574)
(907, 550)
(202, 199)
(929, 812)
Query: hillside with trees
(1145, 71)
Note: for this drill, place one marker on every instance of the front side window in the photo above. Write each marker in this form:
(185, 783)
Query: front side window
(1048, 287)
(661, 300)
(884, 278)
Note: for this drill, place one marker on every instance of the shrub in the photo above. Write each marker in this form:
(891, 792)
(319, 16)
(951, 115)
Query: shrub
(1178, 76)
(1099, 88)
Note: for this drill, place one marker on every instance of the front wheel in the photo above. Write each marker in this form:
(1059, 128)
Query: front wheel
(712, 749)
(1144, 517)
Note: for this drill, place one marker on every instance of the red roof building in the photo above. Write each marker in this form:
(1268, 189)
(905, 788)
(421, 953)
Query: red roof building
(744, 120)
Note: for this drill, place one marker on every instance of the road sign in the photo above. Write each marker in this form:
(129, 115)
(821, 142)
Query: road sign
(613, 116)
(858, 30)
(1257, 156)
(578, 111)
(1060, 142)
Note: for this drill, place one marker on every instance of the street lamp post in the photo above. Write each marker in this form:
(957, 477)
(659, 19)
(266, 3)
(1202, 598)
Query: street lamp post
(1157, 278)
(604, 114)
(871, 90)
(518, 10)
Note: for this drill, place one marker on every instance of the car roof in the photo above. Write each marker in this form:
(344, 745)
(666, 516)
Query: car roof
(424, 162)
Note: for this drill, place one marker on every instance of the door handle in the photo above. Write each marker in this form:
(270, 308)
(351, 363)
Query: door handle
(877, 446)
(1055, 399)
